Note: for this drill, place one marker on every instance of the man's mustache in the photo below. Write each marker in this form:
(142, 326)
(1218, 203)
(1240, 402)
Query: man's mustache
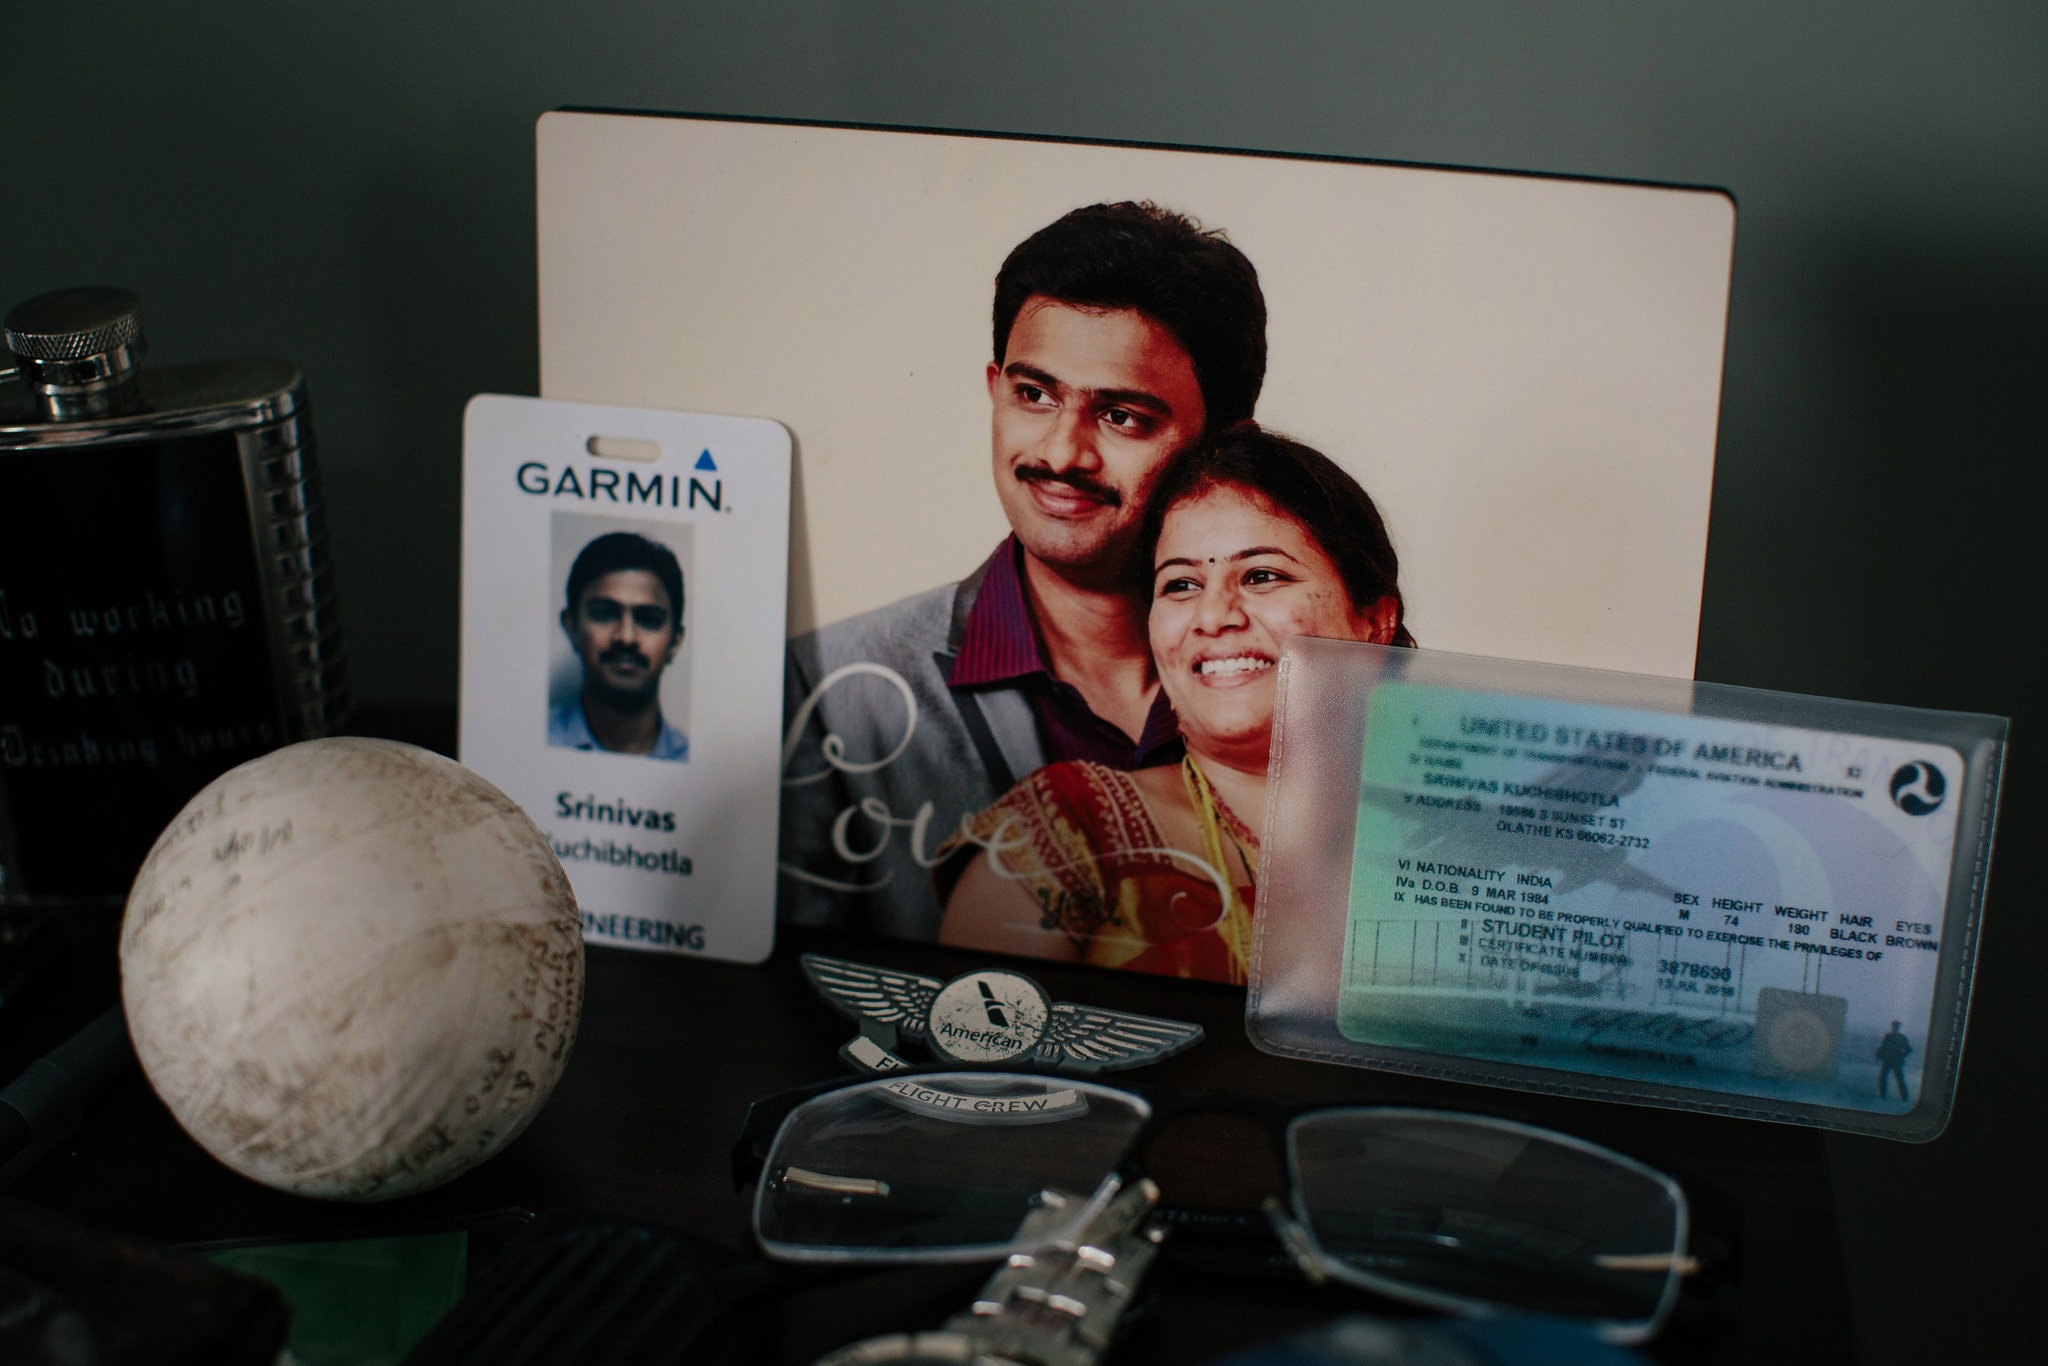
(624, 654)
(1073, 479)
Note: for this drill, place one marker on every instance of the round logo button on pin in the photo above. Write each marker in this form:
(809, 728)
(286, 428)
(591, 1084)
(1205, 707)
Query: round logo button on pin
(988, 1016)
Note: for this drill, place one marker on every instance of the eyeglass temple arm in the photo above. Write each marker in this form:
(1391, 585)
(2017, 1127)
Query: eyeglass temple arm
(1294, 1238)
(747, 1161)
(764, 1119)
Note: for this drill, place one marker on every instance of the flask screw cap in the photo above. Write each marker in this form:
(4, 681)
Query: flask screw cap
(74, 324)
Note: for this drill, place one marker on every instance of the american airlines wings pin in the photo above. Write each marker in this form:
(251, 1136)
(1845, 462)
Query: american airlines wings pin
(991, 1015)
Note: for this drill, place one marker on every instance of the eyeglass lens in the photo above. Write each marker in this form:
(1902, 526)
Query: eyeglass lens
(1479, 1211)
(1455, 1211)
(936, 1164)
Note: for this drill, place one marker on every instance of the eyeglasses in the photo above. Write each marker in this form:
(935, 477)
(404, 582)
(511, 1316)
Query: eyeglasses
(1457, 1212)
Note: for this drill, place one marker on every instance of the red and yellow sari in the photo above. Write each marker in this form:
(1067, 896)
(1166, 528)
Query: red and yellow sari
(1079, 836)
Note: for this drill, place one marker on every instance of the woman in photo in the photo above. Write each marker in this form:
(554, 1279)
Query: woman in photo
(1254, 538)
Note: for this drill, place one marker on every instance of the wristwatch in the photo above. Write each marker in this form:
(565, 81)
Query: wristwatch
(1055, 1307)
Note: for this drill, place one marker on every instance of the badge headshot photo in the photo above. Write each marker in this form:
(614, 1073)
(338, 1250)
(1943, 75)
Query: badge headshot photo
(619, 676)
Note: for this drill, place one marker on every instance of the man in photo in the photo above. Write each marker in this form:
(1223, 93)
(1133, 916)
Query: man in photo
(624, 619)
(1122, 333)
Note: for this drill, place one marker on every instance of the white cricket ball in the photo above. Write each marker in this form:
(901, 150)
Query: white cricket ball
(352, 969)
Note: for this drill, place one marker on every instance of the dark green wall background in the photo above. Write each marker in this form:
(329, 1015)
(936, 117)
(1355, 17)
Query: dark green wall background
(351, 186)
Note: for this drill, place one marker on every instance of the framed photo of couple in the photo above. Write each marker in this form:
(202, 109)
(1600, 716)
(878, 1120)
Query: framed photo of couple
(1084, 431)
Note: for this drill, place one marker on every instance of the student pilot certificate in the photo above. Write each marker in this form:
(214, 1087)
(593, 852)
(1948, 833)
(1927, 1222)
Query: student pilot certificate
(1672, 899)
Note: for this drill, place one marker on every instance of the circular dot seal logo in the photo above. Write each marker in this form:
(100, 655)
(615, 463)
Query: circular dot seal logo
(1918, 788)
(1799, 1042)
(988, 1016)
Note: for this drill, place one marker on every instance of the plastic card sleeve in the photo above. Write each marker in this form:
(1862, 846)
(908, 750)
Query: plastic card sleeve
(1623, 887)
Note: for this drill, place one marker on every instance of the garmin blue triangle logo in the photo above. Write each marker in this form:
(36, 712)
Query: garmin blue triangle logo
(705, 462)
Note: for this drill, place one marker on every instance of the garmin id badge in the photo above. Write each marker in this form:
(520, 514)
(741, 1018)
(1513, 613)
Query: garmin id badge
(624, 583)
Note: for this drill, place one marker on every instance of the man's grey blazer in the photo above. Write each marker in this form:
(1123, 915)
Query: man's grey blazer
(881, 761)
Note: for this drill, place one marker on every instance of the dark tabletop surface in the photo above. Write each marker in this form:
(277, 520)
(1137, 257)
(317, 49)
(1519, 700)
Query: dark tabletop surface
(672, 1049)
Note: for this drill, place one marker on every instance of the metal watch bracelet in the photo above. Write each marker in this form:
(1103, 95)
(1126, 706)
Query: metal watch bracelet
(1055, 1307)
